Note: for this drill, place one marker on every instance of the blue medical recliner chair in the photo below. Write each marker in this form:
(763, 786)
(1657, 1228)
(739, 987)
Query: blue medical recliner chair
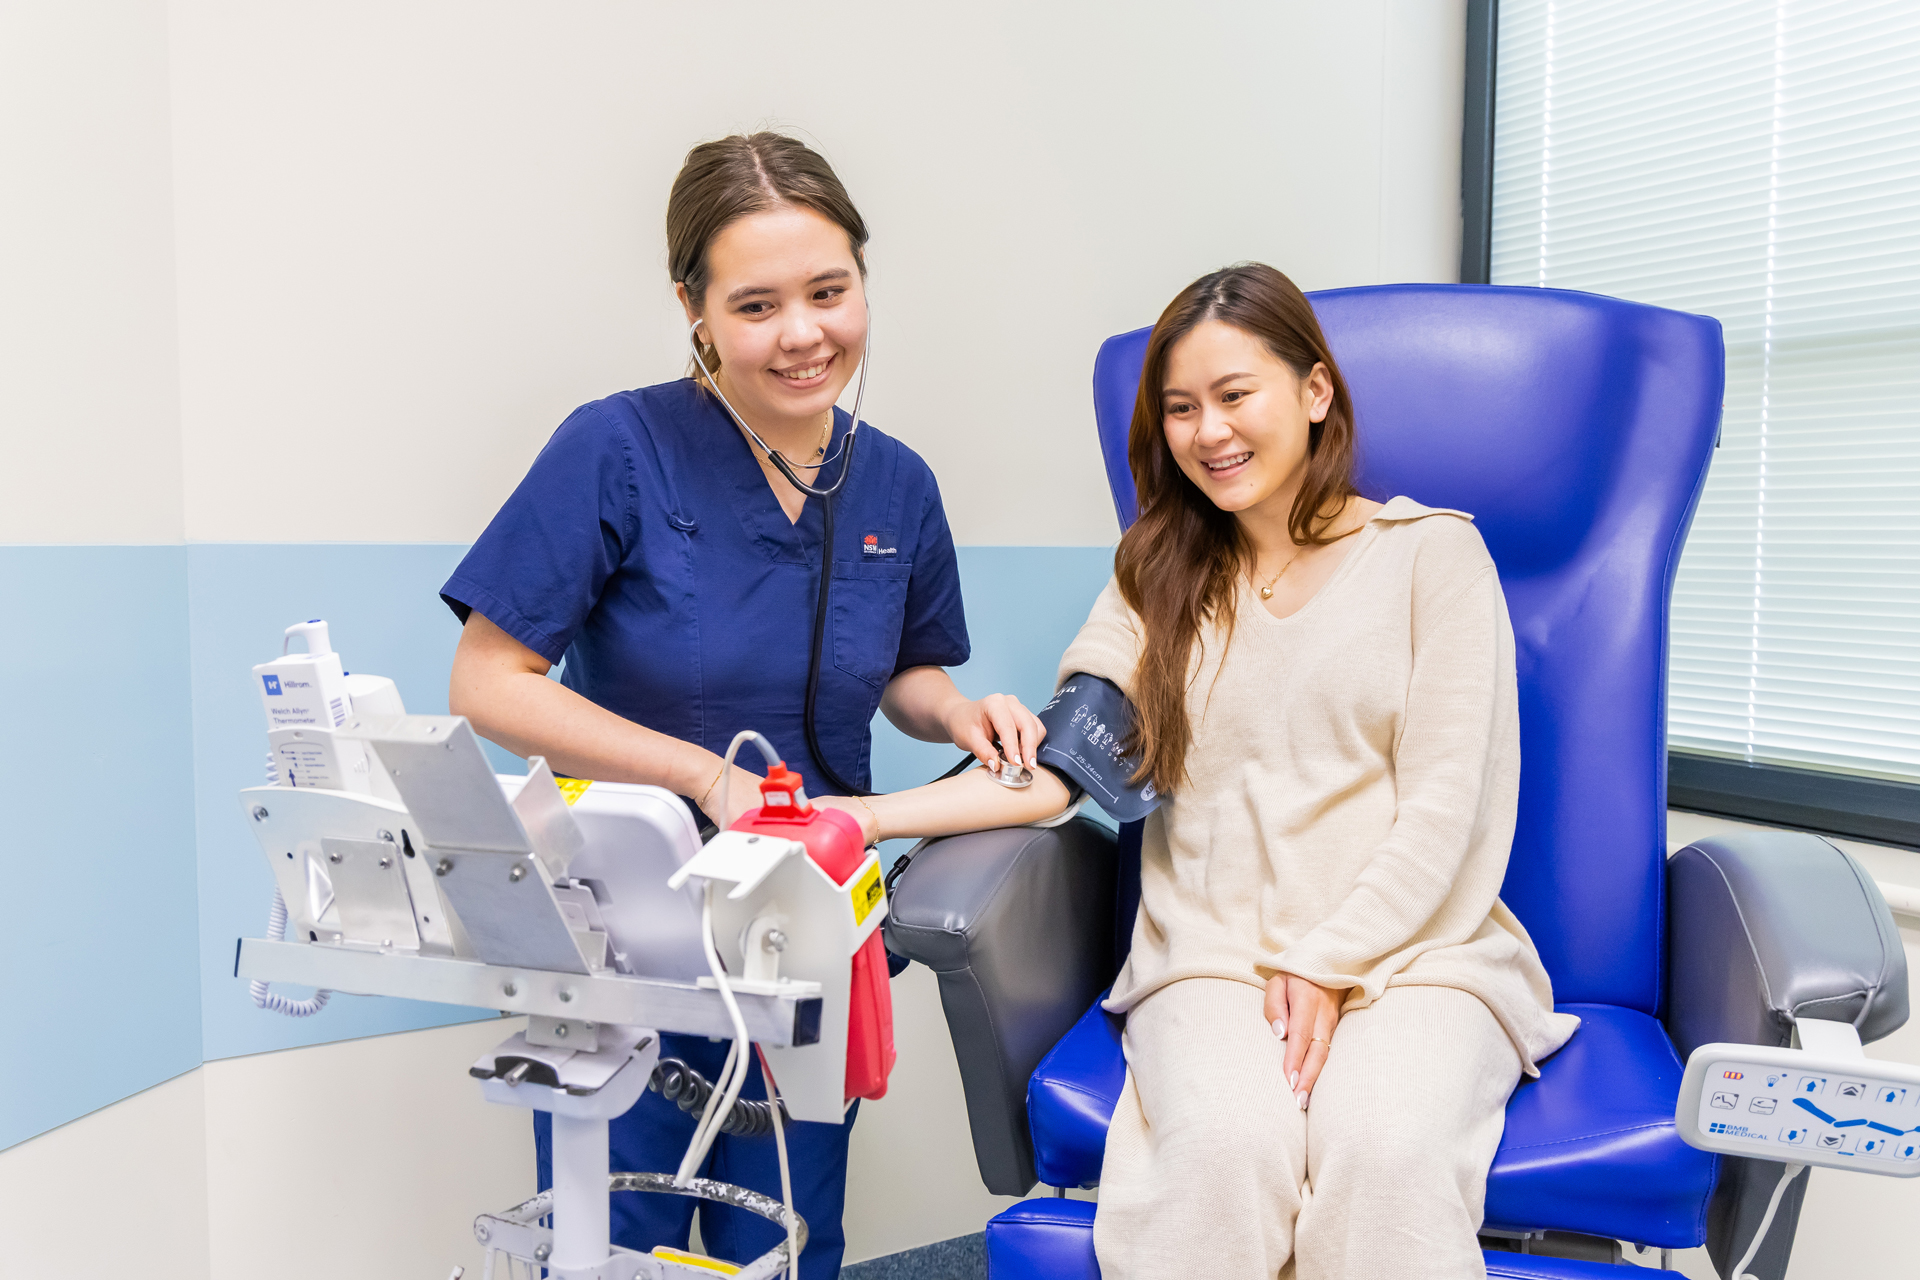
(1578, 430)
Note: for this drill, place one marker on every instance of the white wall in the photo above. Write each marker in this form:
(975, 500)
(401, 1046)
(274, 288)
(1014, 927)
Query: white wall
(366, 1159)
(290, 273)
(248, 250)
(127, 1182)
(89, 416)
(417, 234)
(371, 1158)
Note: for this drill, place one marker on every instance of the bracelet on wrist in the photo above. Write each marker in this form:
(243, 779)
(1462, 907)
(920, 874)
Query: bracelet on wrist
(861, 800)
(708, 793)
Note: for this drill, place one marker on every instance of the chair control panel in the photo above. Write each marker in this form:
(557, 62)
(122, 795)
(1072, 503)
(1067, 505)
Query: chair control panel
(1799, 1106)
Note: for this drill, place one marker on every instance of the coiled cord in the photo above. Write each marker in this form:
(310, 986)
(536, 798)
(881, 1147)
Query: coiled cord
(263, 995)
(687, 1089)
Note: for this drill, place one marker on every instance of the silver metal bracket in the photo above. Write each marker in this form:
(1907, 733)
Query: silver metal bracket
(788, 1019)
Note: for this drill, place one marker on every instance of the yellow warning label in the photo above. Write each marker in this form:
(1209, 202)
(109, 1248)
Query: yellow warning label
(667, 1253)
(572, 788)
(867, 893)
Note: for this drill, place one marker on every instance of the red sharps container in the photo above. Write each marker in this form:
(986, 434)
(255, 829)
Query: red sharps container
(835, 843)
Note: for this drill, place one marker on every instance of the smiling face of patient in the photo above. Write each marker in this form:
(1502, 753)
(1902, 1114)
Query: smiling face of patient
(1238, 421)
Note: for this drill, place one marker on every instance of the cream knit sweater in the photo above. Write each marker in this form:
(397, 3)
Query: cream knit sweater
(1353, 775)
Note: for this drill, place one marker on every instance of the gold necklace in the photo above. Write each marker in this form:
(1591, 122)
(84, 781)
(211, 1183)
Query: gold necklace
(826, 438)
(1266, 592)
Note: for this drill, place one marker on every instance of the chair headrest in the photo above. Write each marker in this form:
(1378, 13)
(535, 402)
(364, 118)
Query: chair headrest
(1533, 409)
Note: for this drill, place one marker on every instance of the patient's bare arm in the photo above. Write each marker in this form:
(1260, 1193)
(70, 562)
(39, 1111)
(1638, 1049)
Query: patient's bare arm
(971, 802)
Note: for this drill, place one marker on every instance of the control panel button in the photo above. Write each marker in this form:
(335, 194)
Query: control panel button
(1763, 1106)
(1794, 1135)
(1725, 1101)
(1811, 1086)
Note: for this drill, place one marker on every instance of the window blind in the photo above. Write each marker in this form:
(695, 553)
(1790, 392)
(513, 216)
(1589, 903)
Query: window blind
(1757, 161)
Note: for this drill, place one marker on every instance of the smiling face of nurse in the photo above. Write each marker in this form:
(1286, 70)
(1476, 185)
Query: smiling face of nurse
(785, 312)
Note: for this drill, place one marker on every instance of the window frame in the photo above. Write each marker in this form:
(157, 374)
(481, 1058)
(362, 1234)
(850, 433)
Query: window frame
(1476, 143)
(1850, 805)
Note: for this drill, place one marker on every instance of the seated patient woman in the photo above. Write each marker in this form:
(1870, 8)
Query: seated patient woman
(1327, 1004)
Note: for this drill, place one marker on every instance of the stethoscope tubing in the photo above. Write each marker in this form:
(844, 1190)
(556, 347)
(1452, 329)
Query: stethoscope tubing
(826, 494)
(773, 455)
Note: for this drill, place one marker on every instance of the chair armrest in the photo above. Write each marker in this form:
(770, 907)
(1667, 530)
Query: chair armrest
(1018, 925)
(1764, 927)
(1767, 926)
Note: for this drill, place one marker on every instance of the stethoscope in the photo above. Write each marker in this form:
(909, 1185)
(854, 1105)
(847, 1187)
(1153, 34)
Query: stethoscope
(1009, 775)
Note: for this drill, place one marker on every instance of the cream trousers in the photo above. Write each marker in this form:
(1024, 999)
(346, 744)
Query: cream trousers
(1213, 1169)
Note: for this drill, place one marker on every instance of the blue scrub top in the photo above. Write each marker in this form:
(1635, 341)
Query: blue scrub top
(646, 549)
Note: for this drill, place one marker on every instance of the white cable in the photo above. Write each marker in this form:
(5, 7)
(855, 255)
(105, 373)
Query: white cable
(262, 994)
(712, 1119)
(726, 1091)
(1787, 1175)
(732, 1076)
(740, 739)
(786, 1178)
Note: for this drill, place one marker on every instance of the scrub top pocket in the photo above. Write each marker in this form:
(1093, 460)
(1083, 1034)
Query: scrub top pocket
(869, 608)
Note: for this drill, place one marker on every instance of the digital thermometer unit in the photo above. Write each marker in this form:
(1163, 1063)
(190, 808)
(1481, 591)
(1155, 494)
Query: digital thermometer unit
(1821, 1105)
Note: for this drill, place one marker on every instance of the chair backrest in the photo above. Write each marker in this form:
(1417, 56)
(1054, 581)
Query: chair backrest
(1577, 429)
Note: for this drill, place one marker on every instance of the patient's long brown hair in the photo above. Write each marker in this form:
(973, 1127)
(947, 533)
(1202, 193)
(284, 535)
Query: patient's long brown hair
(1178, 565)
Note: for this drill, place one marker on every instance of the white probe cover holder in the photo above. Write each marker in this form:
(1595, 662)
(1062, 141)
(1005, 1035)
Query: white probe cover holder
(1823, 1104)
(824, 924)
(739, 858)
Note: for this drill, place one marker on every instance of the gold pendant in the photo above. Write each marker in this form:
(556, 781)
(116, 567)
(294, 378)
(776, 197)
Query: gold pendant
(1266, 593)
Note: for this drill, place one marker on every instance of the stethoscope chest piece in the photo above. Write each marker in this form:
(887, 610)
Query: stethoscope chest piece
(1013, 776)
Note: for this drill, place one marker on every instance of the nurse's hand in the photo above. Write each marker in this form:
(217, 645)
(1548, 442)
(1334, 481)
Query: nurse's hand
(976, 726)
(1304, 1015)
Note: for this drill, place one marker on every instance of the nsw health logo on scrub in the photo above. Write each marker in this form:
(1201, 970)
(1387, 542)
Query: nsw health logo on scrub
(273, 685)
(870, 546)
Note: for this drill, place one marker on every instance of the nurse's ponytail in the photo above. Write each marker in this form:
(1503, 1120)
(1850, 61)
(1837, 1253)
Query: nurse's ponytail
(724, 181)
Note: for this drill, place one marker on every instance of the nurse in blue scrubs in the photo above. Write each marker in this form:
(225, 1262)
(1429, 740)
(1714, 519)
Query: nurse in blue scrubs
(665, 561)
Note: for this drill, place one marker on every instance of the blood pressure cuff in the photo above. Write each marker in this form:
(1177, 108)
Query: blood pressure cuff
(1086, 722)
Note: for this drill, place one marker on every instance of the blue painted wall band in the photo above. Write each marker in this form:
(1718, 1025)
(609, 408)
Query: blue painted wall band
(129, 871)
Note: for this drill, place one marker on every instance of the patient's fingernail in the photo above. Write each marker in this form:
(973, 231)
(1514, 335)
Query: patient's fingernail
(1294, 1080)
(1303, 1100)
(1280, 1027)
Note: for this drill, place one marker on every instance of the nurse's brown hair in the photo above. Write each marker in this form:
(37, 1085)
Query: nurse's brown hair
(1179, 565)
(724, 181)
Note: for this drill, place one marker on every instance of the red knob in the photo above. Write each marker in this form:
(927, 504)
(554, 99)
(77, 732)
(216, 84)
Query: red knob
(783, 794)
